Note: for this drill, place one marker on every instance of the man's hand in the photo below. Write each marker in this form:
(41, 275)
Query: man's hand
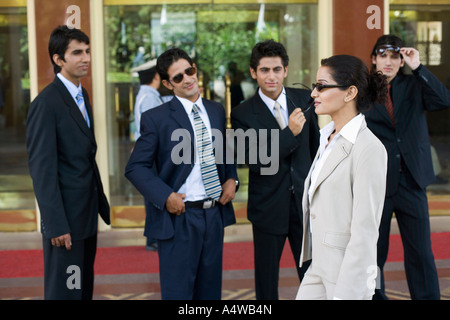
(228, 191)
(175, 204)
(411, 57)
(64, 240)
(296, 121)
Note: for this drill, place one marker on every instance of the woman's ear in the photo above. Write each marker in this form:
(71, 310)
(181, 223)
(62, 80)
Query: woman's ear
(352, 92)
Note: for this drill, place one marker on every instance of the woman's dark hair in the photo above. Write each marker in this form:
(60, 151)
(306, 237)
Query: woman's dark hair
(349, 71)
(268, 48)
(387, 39)
(166, 59)
(59, 42)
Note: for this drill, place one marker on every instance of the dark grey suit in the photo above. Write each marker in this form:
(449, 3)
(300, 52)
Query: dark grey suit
(61, 151)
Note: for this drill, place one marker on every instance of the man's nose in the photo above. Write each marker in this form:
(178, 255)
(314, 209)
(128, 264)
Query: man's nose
(87, 56)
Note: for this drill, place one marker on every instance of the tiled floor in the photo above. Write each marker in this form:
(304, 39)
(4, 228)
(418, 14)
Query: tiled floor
(237, 284)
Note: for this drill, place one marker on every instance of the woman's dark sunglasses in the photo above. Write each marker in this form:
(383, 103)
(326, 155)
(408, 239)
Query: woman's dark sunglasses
(179, 77)
(320, 86)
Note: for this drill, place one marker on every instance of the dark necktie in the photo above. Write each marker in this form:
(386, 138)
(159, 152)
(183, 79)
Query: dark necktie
(390, 106)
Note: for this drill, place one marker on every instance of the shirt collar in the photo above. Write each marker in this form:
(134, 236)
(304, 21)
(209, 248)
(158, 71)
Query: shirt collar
(270, 102)
(187, 104)
(349, 131)
(73, 89)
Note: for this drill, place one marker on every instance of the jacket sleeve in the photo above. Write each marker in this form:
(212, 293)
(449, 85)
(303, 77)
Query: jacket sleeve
(434, 94)
(42, 147)
(139, 167)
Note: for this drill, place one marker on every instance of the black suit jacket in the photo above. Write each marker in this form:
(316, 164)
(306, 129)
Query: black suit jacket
(269, 196)
(61, 158)
(412, 96)
(157, 146)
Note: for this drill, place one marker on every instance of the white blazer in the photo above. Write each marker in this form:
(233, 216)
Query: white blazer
(345, 213)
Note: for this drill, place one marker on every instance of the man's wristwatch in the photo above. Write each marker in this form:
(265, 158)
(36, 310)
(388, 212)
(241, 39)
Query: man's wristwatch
(237, 184)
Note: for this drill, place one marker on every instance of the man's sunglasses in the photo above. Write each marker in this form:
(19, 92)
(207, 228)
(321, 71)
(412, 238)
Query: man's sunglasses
(179, 77)
(382, 50)
(320, 86)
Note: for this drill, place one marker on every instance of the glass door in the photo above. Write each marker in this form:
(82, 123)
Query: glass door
(17, 202)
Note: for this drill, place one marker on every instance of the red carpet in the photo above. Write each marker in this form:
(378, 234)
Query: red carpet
(123, 260)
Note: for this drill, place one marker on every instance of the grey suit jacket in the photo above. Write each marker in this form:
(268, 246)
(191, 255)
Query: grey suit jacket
(344, 214)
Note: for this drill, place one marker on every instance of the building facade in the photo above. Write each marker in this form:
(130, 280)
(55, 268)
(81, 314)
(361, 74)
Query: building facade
(219, 34)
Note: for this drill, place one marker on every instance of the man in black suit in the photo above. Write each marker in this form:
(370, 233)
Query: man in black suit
(187, 189)
(61, 153)
(274, 198)
(402, 127)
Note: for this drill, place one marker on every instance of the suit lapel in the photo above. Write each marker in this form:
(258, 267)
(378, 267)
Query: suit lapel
(398, 87)
(74, 111)
(89, 110)
(214, 121)
(179, 115)
(381, 110)
(293, 101)
(341, 150)
(308, 183)
(263, 114)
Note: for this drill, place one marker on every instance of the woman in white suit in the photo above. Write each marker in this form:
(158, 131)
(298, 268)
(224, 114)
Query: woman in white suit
(345, 188)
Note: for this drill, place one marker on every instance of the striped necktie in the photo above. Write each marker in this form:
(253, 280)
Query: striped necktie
(82, 107)
(207, 161)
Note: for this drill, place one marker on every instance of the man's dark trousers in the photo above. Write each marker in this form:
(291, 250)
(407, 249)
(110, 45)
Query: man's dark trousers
(268, 250)
(198, 247)
(411, 211)
(69, 274)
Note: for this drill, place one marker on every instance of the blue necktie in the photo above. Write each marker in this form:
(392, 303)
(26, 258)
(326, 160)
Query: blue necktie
(207, 161)
(82, 107)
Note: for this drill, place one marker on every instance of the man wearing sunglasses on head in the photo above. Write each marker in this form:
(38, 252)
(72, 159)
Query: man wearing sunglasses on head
(274, 200)
(189, 202)
(402, 127)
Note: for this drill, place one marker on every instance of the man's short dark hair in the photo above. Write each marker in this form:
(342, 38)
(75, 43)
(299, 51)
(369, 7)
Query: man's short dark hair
(166, 59)
(59, 42)
(268, 48)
